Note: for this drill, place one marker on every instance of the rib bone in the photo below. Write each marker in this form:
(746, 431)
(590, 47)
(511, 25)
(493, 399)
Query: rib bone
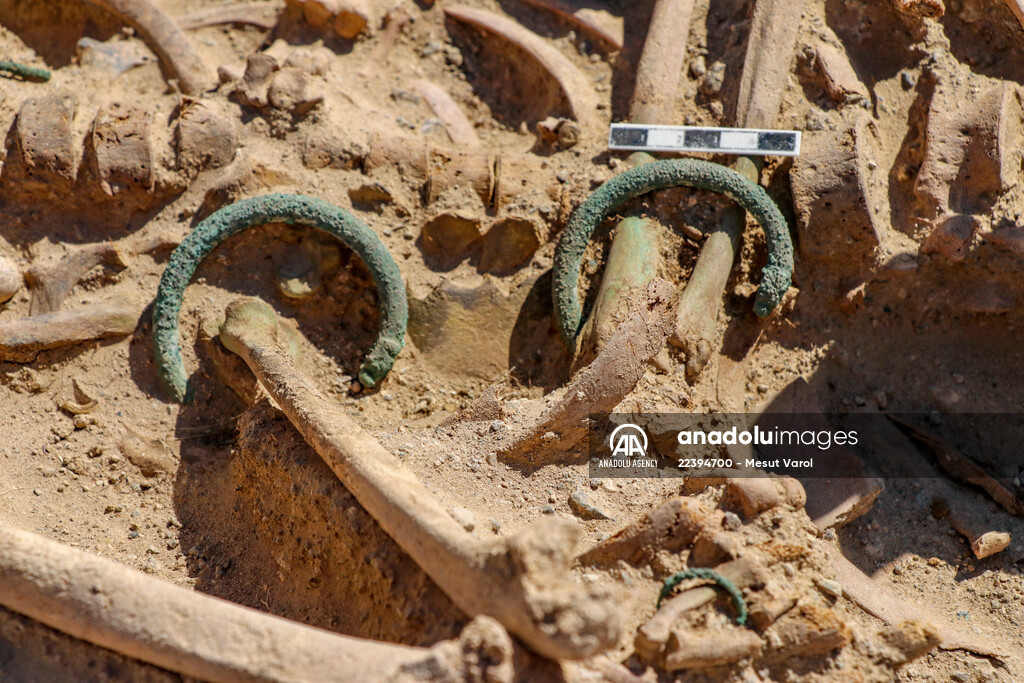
(575, 87)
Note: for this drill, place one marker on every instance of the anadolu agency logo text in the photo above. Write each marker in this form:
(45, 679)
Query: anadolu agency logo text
(823, 438)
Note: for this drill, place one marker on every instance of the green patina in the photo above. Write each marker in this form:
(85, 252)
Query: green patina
(24, 71)
(712, 575)
(272, 208)
(775, 277)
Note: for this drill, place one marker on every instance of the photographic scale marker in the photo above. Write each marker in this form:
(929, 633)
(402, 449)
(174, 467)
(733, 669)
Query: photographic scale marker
(746, 141)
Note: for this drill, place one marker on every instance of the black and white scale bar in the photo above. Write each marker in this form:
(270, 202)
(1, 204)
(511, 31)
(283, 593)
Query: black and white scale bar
(641, 137)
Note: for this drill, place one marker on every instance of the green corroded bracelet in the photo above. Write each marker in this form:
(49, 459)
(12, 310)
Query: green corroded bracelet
(711, 574)
(273, 208)
(704, 175)
(23, 70)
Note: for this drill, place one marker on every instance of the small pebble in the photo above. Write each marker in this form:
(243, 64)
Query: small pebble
(815, 120)
(829, 588)
(714, 79)
(697, 67)
(731, 521)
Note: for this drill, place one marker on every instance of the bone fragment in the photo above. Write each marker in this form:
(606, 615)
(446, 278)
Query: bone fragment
(396, 19)
(10, 278)
(23, 339)
(260, 14)
(689, 650)
(661, 62)
(595, 19)
(458, 127)
(604, 383)
(671, 527)
(50, 282)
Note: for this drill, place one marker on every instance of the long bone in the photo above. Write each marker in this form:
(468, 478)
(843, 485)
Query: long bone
(166, 39)
(522, 582)
(22, 339)
(602, 384)
(657, 79)
(636, 241)
(661, 63)
(122, 609)
(766, 66)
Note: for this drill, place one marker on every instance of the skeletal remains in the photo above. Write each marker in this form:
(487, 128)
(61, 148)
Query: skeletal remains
(524, 584)
(182, 630)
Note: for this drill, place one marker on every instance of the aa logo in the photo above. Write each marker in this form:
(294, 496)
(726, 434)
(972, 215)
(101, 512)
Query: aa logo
(628, 441)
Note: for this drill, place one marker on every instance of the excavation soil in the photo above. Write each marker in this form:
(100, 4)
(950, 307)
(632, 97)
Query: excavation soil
(228, 499)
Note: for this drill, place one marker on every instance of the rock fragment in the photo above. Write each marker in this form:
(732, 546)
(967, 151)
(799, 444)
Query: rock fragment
(579, 503)
(151, 456)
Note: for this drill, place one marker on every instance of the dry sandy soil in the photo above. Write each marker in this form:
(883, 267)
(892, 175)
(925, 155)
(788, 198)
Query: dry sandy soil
(227, 499)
